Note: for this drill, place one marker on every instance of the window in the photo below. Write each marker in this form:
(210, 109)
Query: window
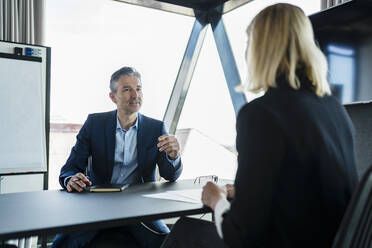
(90, 39)
(238, 20)
(208, 115)
(341, 62)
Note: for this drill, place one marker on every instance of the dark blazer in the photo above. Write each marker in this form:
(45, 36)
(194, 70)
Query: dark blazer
(296, 170)
(97, 139)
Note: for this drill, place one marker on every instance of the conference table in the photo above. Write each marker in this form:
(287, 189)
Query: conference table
(54, 211)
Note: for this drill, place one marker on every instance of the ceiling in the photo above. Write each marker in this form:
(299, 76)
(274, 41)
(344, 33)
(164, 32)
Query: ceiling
(195, 4)
(187, 7)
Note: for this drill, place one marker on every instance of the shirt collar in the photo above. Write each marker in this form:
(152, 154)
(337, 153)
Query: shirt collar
(118, 126)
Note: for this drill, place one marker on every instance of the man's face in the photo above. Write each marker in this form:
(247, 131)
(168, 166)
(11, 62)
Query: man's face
(128, 97)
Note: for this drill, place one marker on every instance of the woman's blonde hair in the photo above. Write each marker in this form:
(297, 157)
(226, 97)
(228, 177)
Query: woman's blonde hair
(281, 42)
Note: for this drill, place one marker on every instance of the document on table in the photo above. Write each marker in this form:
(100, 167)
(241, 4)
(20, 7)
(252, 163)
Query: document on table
(187, 195)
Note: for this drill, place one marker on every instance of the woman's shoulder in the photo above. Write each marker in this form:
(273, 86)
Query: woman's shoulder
(256, 108)
(288, 105)
(264, 102)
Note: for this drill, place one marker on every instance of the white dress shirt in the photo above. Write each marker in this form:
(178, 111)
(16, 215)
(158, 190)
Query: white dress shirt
(221, 207)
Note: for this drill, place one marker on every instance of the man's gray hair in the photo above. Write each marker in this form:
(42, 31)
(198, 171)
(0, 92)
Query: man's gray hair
(124, 71)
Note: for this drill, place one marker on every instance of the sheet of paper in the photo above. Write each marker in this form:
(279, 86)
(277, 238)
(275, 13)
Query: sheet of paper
(190, 196)
(193, 194)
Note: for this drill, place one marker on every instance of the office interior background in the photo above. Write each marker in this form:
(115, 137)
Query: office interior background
(90, 39)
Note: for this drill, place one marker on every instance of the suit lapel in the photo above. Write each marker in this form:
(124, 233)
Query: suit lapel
(141, 150)
(110, 130)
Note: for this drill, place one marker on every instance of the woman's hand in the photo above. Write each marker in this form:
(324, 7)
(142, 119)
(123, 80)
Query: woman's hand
(230, 191)
(212, 194)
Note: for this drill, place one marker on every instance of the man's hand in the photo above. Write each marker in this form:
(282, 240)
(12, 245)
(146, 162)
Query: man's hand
(170, 145)
(212, 194)
(78, 182)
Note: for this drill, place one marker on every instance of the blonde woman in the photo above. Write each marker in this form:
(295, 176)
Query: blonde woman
(296, 164)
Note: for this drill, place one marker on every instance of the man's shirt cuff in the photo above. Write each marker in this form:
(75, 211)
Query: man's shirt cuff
(221, 207)
(173, 162)
(65, 181)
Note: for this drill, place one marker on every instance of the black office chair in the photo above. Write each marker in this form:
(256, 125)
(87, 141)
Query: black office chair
(361, 116)
(355, 230)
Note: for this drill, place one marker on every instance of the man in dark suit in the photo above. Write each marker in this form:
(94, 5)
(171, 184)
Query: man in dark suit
(125, 147)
